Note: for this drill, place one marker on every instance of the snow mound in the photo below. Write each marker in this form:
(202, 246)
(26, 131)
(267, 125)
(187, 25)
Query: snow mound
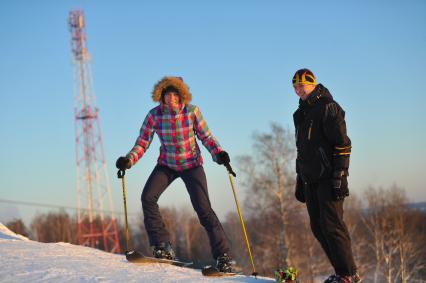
(23, 260)
(6, 234)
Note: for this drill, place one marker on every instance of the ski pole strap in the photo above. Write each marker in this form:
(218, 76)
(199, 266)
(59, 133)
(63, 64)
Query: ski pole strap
(229, 168)
(121, 173)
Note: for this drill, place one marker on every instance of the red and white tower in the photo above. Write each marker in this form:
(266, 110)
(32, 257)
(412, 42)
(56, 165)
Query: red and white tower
(97, 225)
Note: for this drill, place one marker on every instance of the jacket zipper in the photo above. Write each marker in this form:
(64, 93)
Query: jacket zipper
(310, 130)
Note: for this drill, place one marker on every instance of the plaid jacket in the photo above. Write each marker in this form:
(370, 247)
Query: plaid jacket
(176, 129)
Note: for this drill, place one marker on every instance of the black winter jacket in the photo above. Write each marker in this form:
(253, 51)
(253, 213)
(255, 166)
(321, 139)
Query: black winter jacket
(321, 140)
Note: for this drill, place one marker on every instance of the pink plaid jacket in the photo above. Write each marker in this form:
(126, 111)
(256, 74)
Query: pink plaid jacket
(176, 129)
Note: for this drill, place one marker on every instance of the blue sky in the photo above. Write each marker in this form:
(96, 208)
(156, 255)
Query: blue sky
(238, 58)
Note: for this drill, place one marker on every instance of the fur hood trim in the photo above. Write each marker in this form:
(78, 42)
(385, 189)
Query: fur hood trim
(176, 82)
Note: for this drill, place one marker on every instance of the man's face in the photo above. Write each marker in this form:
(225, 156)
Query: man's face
(172, 98)
(303, 91)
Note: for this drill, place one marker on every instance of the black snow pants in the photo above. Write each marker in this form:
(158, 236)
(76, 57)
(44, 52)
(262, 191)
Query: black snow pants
(326, 218)
(196, 185)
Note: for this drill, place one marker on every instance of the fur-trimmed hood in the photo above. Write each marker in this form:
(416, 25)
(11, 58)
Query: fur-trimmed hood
(176, 82)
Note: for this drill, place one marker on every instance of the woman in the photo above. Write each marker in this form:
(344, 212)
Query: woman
(176, 123)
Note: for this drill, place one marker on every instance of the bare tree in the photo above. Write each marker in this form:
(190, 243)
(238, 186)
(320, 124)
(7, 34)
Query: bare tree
(410, 255)
(54, 227)
(194, 243)
(140, 238)
(269, 178)
(374, 235)
(395, 235)
(170, 219)
(354, 214)
(191, 240)
(18, 227)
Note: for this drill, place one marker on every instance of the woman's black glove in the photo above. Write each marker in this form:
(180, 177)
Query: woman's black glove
(222, 158)
(300, 190)
(123, 163)
(340, 185)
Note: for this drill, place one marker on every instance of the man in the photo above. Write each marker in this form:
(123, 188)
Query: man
(322, 164)
(176, 123)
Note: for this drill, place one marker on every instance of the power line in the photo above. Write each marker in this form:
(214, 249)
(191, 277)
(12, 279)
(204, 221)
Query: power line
(58, 206)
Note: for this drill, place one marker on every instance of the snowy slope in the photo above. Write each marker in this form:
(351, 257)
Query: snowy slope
(23, 260)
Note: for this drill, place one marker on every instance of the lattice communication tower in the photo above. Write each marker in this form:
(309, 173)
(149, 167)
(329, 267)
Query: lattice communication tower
(97, 226)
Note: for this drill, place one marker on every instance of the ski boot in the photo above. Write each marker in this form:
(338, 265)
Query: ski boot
(224, 263)
(164, 250)
(343, 279)
(356, 278)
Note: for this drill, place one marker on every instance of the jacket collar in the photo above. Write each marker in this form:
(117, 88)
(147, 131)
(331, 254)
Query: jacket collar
(319, 92)
(166, 109)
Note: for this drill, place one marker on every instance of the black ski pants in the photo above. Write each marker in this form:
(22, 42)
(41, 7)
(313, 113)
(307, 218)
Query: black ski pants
(328, 227)
(196, 185)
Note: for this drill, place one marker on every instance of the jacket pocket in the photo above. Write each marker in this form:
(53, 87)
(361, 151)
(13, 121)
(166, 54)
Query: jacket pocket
(312, 169)
(316, 168)
(324, 158)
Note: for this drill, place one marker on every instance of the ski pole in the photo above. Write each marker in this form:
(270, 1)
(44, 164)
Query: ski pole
(120, 175)
(232, 173)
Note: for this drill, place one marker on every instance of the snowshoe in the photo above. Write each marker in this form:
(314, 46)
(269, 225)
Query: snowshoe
(223, 267)
(214, 272)
(139, 258)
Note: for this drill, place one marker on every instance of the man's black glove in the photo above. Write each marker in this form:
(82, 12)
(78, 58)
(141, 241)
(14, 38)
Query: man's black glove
(123, 163)
(222, 158)
(300, 190)
(340, 185)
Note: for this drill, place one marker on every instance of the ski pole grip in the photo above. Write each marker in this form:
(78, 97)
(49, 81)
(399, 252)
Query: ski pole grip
(121, 173)
(229, 168)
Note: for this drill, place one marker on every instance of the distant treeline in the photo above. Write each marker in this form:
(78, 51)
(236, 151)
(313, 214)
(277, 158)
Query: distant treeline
(388, 237)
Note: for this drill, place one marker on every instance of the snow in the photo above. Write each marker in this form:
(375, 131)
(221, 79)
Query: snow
(6, 234)
(23, 260)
